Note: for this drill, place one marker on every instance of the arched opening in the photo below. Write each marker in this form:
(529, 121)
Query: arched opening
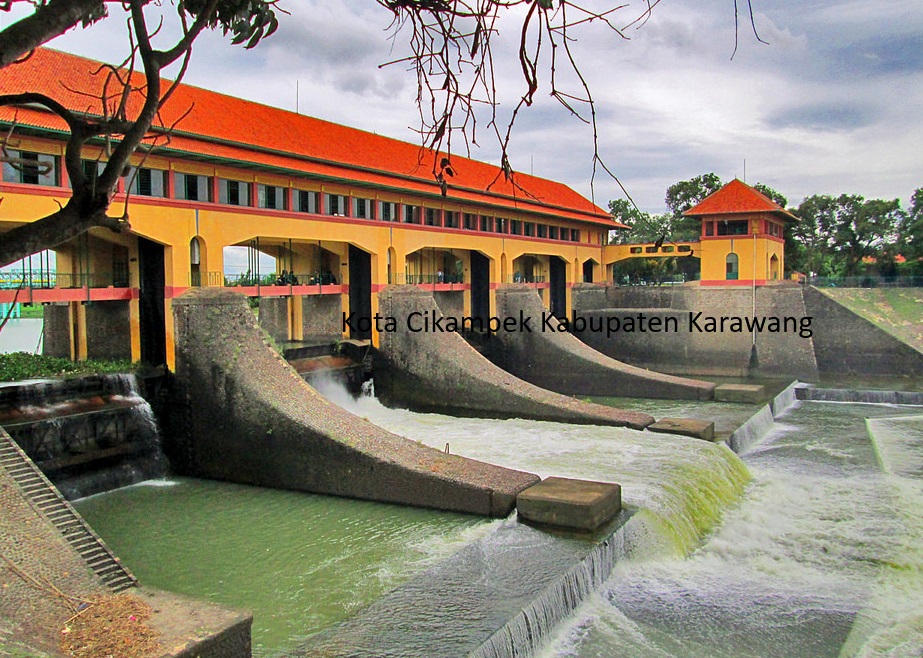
(774, 267)
(588, 270)
(557, 271)
(732, 264)
(195, 262)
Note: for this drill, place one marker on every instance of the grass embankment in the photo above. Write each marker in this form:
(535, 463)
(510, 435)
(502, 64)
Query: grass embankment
(899, 311)
(20, 365)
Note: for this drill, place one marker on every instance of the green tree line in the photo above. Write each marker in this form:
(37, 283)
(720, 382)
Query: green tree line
(845, 235)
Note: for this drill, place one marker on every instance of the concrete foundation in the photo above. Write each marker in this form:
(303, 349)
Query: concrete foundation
(552, 358)
(322, 317)
(695, 349)
(56, 330)
(567, 503)
(747, 393)
(699, 429)
(109, 330)
(439, 371)
(242, 414)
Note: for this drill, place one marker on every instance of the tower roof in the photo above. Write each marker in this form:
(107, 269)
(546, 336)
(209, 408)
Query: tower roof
(735, 198)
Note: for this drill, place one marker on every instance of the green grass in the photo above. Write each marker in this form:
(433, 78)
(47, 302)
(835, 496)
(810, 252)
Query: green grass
(32, 311)
(20, 365)
(899, 311)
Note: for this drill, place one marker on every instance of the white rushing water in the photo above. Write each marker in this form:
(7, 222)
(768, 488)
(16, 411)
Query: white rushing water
(821, 556)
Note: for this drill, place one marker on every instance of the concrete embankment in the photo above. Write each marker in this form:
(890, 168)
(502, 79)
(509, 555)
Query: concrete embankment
(52, 561)
(556, 360)
(697, 344)
(242, 414)
(440, 371)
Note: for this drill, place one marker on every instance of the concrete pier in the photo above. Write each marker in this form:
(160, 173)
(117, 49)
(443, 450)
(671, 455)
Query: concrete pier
(242, 414)
(440, 371)
(553, 358)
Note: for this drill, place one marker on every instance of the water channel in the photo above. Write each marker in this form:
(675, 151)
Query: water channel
(822, 556)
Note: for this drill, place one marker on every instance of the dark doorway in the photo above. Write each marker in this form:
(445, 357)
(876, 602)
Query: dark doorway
(151, 302)
(360, 292)
(480, 287)
(557, 281)
(588, 271)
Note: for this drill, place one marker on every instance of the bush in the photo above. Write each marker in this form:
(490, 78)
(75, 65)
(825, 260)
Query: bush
(21, 365)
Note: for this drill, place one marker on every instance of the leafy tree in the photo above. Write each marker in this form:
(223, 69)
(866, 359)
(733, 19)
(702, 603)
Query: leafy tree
(911, 232)
(684, 195)
(644, 227)
(771, 193)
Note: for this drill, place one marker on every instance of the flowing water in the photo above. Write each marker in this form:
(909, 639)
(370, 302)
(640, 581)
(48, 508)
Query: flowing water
(22, 335)
(818, 554)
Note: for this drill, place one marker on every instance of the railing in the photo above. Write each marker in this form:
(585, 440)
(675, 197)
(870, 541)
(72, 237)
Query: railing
(24, 279)
(865, 281)
(425, 279)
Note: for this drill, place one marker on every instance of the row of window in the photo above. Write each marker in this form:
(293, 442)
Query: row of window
(41, 169)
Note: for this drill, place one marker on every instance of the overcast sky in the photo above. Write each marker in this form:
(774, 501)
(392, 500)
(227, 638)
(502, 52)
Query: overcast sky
(830, 105)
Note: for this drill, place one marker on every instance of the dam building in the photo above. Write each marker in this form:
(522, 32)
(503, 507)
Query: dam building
(342, 212)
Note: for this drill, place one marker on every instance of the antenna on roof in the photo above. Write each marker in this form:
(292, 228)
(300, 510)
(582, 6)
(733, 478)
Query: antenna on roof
(745, 170)
(297, 94)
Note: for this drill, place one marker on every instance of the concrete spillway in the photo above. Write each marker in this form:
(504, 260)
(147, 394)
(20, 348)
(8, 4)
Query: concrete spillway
(440, 371)
(552, 358)
(242, 414)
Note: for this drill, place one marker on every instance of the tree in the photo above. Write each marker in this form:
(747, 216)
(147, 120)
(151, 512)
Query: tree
(776, 196)
(911, 231)
(684, 195)
(128, 106)
(450, 52)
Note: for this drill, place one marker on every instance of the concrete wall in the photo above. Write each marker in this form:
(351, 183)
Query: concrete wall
(241, 413)
(689, 351)
(109, 330)
(847, 343)
(57, 331)
(439, 371)
(558, 361)
(322, 317)
(274, 317)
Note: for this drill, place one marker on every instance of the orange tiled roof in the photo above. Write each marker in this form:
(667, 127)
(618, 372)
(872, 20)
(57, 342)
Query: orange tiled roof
(226, 127)
(737, 197)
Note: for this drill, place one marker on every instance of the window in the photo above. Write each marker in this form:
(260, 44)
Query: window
(411, 215)
(500, 225)
(471, 221)
(387, 211)
(450, 219)
(192, 187)
(739, 227)
(553, 232)
(335, 204)
(530, 229)
(515, 227)
(574, 235)
(542, 231)
(148, 182)
(233, 192)
(486, 223)
(364, 208)
(432, 216)
(31, 168)
(731, 265)
(271, 197)
(709, 229)
(307, 201)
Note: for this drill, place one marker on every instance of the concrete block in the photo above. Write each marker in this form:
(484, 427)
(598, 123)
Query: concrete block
(699, 429)
(750, 393)
(567, 503)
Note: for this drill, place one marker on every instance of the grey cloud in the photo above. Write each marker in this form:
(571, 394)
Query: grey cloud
(828, 116)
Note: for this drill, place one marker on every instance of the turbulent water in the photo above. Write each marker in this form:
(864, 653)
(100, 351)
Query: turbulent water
(822, 558)
(805, 547)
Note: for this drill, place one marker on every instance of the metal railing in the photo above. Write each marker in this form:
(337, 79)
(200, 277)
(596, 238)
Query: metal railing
(24, 279)
(865, 281)
(400, 278)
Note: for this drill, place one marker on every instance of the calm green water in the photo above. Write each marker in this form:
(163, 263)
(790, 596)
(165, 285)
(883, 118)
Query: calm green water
(299, 562)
